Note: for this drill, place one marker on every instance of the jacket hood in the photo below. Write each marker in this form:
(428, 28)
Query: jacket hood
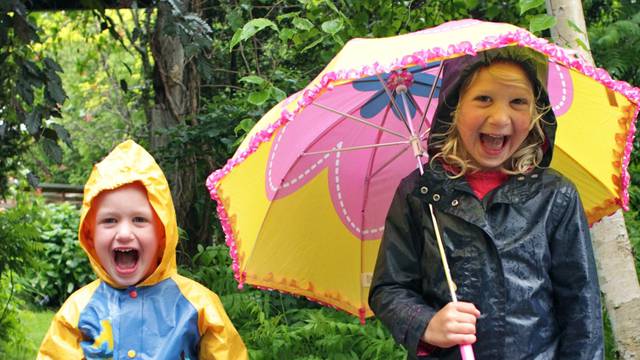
(128, 163)
(457, 70)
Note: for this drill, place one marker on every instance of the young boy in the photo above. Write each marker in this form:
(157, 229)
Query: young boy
(139, 307)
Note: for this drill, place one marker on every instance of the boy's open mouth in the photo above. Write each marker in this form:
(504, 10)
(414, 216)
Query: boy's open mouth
(493, 142)
(126, 259)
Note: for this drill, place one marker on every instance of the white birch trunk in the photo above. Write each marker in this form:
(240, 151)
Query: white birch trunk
(616, 270)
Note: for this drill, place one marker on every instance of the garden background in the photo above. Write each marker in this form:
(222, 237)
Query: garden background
(187, 80)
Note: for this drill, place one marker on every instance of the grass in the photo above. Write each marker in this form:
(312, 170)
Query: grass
(35, 325)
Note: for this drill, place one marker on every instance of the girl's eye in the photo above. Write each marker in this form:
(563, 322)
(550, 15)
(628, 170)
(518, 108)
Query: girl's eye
(109, 221)
(520, 101)
(483, 98)
(139, 219)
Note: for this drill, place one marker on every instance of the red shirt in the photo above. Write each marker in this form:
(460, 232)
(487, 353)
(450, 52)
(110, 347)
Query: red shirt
(482, 182)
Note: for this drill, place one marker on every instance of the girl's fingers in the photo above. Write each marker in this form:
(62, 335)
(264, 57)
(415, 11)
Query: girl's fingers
(467, 339)
(467, 307)
(462, 339)
(465, 318)
(454, 324)
(461, 328)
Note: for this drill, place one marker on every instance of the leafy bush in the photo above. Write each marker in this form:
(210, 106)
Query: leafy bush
(66, 266)
(18, 250)
(13, 336)
(280, 326)
(211, 266)
(305, 333)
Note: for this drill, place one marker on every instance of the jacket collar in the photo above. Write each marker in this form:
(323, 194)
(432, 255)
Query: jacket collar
(437, 188)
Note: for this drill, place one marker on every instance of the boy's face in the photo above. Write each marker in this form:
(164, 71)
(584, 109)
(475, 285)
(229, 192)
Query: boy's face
(494, 114)
(128, 234)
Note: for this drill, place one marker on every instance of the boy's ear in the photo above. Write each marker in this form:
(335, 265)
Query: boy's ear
(88, 236)
(162, 244)
(88, 226)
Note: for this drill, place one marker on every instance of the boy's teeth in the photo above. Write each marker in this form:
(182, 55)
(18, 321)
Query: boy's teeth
(126, 258)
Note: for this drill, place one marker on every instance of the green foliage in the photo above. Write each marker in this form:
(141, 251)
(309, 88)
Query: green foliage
(18, 247)
(249, 30)
(18, 252)
(67, 267)
(31, 94)
(35, 326)
(610, 352)
(12, 334)
(312, 333)
(632, 221)
(211, 266)
(541, 22)
(615, 37)
(105, 83)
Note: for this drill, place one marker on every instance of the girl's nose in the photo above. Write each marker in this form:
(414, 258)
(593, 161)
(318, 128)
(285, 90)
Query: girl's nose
(499, 115)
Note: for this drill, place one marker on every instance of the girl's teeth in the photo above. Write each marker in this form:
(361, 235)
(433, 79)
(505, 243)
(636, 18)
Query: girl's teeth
(492, 141)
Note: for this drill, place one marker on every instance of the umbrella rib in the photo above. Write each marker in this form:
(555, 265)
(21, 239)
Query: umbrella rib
(362, 147)
(413, 100)
(388, 162)
(431, 93)
(349, 116)
(424, 134)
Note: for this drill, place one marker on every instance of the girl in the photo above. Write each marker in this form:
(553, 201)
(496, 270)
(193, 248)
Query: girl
(514, 230)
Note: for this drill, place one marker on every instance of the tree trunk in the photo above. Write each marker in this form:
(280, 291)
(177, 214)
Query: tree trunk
(619, 283)
(616, 270)
(177, 84)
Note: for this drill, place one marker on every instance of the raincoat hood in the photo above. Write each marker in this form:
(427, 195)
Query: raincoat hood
(126, 164)
(457, 70)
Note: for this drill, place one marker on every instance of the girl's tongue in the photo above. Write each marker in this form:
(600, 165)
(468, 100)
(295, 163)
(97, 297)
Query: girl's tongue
(493, 142)
(126, 259)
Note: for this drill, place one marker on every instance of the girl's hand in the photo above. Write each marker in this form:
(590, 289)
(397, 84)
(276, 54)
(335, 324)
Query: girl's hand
(454, 324)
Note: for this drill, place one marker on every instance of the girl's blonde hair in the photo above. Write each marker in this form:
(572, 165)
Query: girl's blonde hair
(528, 156)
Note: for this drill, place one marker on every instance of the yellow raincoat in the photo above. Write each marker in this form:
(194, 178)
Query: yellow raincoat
(167, 316)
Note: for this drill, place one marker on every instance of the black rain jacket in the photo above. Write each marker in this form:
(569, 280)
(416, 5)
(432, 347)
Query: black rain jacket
(522, 255)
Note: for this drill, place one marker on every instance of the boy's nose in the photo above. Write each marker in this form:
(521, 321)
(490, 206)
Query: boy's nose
(125, 234)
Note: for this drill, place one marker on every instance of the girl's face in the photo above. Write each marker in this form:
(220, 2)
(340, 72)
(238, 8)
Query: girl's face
(494, 114)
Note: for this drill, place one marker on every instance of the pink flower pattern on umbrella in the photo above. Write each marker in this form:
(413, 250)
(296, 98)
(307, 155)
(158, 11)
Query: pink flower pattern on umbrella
(326, 135)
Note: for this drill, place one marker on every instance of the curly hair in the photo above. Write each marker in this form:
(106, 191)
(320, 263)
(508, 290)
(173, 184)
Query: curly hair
(527, 157)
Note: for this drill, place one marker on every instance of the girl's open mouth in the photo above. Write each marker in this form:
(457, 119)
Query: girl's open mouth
(126, 260)
(493, 143)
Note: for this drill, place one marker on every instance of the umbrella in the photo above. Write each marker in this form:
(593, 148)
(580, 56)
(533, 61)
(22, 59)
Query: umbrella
(303, 200)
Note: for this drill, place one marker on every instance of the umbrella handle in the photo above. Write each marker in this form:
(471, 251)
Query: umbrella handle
(466, 351)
